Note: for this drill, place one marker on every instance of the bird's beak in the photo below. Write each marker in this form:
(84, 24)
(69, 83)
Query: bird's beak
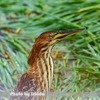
(64, 33)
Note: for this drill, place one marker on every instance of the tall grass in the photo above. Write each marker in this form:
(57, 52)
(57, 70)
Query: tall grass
(77, 61)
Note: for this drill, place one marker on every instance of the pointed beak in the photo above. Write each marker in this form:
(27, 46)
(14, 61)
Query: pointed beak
(64, 33)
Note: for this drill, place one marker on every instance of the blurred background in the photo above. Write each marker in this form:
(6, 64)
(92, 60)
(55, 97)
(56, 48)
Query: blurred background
(76, 58)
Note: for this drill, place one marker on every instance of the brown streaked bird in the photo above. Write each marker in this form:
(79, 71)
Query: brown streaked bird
(38, 77)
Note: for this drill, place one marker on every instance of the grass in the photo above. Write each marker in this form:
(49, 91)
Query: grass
(77, 61)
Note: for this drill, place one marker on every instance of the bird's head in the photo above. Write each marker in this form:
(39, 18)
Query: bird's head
(49, 38)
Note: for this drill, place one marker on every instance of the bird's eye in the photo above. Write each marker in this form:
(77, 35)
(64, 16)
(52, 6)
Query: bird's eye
(52, 35)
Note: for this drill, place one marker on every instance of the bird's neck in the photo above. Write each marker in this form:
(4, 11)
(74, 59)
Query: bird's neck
(43, 70)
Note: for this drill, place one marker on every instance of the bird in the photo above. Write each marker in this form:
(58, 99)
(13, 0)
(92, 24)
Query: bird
(38, 77)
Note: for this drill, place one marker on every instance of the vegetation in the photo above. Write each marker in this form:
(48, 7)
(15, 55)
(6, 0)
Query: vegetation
(77, 58)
